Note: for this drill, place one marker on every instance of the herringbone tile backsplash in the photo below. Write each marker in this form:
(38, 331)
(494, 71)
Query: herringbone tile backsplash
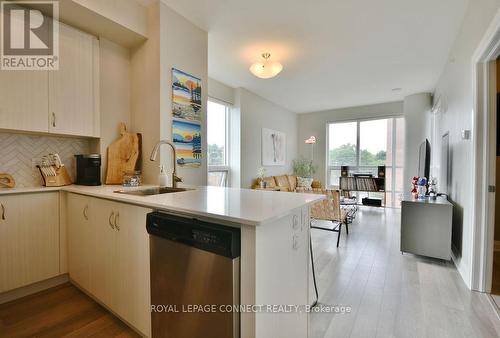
(20, 153)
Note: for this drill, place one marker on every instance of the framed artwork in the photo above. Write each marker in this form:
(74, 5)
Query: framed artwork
(187, 140)
(273, 147)
(186, 96)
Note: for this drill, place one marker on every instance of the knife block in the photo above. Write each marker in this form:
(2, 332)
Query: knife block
(61, 178)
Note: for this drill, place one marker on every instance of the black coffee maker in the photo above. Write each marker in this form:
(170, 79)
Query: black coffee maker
(88, 169)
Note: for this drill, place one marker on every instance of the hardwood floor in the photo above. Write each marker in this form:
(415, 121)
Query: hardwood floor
(392, 295)
(63, 311)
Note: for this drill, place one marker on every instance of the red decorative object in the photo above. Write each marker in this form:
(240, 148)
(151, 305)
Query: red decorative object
(414, 182)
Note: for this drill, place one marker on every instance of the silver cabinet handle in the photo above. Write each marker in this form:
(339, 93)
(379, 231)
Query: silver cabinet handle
(53, 119)
(86, 212)
(3, 211)
(117, 219)
(109, 220)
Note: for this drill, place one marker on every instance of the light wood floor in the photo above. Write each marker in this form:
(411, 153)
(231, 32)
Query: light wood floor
(63, 311)
(392, 295)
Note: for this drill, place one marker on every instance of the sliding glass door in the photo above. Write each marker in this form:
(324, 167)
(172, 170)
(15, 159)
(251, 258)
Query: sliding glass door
(363, 145)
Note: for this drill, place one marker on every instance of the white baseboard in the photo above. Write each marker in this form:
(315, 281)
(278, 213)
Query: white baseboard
(32, 288)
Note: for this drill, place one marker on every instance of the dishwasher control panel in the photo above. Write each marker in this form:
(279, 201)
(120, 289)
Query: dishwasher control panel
(204, 237)
(216, 238)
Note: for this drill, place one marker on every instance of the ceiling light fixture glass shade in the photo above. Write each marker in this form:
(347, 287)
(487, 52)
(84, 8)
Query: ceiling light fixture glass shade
(266, 69)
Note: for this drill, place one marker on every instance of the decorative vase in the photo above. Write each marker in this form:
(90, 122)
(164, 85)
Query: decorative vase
(421, 191)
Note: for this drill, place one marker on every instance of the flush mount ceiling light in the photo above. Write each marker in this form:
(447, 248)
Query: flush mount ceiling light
(266, 69)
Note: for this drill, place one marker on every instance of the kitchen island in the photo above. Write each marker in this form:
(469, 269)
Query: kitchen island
(274, 249)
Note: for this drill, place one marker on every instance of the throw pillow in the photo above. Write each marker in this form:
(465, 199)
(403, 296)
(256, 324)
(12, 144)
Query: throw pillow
(304, 182)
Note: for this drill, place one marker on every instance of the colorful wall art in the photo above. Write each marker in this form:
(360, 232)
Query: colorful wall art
(187, 140)
(273, 147)
(186, 96)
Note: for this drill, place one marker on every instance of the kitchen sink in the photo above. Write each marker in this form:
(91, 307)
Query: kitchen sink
(151, 191)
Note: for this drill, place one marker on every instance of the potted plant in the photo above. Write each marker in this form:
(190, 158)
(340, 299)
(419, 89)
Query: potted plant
(304, 169)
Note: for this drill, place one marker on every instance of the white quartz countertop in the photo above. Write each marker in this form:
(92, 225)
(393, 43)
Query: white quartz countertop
(243, 206)
(12, 191)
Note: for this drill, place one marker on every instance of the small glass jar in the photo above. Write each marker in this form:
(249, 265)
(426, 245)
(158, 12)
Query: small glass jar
(421, 192)
(132, 178)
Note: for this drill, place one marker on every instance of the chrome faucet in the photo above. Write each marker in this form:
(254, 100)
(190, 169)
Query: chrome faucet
(175, 179)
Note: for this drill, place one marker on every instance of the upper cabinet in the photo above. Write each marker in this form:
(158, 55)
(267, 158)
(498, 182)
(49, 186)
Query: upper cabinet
(24, 100)
(64, 101)
(72, 108)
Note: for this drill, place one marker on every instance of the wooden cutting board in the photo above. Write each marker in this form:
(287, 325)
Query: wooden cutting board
(123, 155)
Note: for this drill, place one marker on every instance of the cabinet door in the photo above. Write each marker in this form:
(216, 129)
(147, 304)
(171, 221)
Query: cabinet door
(29, 239)
(132, 297)
(24, 103)
(104, 243)
(71, 88)
(79, 239)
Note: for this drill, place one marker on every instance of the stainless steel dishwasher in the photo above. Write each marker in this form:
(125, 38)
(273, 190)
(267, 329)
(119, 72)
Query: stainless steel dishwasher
(195, 277)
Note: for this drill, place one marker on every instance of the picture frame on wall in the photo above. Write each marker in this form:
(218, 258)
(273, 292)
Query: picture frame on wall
(186, 96)
(187, 141)
(273, 147)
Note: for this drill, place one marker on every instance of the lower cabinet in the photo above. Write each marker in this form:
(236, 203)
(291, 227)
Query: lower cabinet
(29, 239)
(79, 239)
(108, 251)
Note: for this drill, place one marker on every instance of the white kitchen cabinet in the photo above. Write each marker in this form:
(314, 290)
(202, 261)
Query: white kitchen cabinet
(133, 296)
(117, 253)
(63, 101)
(72, 92)
(24, 100)
(80, 221)
(103, 251)
(29, 239)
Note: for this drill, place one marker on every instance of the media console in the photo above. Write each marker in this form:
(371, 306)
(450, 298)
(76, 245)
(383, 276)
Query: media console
(426, 226)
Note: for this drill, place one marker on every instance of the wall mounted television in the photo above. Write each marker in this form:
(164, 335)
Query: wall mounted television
(424, 159)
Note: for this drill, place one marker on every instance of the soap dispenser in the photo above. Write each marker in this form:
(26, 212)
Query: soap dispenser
(163, 177)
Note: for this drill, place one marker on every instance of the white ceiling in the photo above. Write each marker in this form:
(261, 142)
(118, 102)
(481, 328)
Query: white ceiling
(335, 53)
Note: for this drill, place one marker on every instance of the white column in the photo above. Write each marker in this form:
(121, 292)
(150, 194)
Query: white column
(416, 112)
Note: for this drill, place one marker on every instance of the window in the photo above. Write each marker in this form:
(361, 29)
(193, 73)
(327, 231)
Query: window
(373, 142)
(365, 145)
(217, 140)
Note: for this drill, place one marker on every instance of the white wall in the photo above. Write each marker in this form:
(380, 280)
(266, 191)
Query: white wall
(257, 113)
(172, 42)
(314, 124)
(249, 114)
(416, 112)
(455, 89)
(183, 46)
(128, 13)
(115, 103)
(145, 61)
(220, 91)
